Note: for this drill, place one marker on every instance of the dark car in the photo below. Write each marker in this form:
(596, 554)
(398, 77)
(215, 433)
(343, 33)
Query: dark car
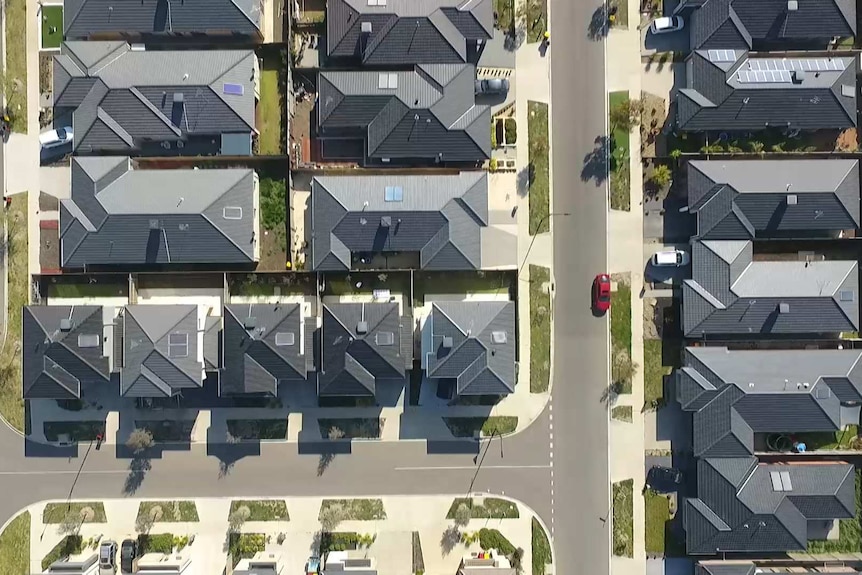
(602, 293)
(492, 86)
(664, 479)
(128, 552)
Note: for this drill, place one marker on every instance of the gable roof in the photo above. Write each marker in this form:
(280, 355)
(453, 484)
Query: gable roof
(746, 506)
(123, 97)
(773, 391)
(120, 216)
(63, 347)
(746, 24)
(428, 113)
(360, 344)
(730, 293)
(407, 31)
(263, 344)
(425, 214)
(162, 352)
(739, 199)
(83, 19)
(474, 343)
(728, 90)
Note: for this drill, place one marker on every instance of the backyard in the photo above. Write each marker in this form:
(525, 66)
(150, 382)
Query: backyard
(540, 329)
(622, 367)
(537, 130)
(849, 530)
(80, 290)
(52, 26)
(271, 106)
(460, 282)
(842, 440)
(273, 220)
(620, 170)
(16, 64)
(11, 404)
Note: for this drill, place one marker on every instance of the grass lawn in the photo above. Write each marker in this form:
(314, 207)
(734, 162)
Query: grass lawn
(257, 428)
(458, 282)
(536, 27)
(620, 171)
(56, 512)
(660, 357)
(849, 530)
(52, 26)
(621, 334)
(16, 63)
(270, 108)
(87, 290)
(171, 511)
(623, 522)
(492, 508)
(622, 413)
(540, 330)
(541, 549)
(15, 546)
(840, 440)
(263, 509)
(11, 404)
(357, 509)
(537, 133)
(353, 428)
(490, 426)
(657, 511)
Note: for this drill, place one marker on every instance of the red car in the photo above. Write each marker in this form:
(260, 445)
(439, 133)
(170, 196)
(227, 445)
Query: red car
(602, 293)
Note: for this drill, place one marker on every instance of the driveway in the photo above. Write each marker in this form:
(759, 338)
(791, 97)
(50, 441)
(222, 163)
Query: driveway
(667, 42)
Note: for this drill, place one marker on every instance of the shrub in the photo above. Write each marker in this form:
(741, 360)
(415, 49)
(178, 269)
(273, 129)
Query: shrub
(159, 543)
(140, 440)
(492, 165)
(272, 204)
(493, 539)
(511, 131)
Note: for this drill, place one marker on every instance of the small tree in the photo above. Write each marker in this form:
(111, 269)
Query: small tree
(626, 114)
(463, 514)
(661, 176)
(140, 440)
(335, 433)
(236, 519)
(331, 517)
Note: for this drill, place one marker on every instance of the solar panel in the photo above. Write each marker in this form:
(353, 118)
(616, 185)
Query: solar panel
(764, 76)
(798, 64)
(393, 194)
(178, 345)
(233, 89)
(722, 56)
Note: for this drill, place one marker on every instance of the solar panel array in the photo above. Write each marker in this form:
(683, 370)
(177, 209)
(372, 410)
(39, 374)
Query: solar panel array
(764, 77)
(797, 64)
(722, 56)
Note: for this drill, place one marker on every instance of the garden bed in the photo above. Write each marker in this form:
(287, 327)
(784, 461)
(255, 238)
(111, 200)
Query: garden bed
(620, 170)
(167, 430)
(169, 511)
(489, 426)
(263, 509)
(245, 545)
(76, 430)
(623, 521)
(352, 428)
(492, 508)
(493, 539)
(56, 512)
(541, 548)
(539, 147)
(156, 543)
(15, 545)
(254, 429)
(622, 413)
(356, 509)
(18, 295)
(622, 365)
(68, 545)
(540, 329)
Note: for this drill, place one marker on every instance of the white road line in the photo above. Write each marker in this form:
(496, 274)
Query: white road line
(453, 468)
(68, 472)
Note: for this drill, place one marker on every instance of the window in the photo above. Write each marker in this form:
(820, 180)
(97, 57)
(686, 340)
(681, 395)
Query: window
(384, 338)
(284, 338)
(178, 345)
(393, 194)
(232, 213)
(89, 340)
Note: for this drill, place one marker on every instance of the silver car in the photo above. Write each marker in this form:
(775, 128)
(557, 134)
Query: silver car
(107, 557)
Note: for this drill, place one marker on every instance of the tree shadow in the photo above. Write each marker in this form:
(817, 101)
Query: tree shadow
(596, 162)
(610, 394)
(138, 468)
(597, 29)
(324, 462)
(451, 537)
(523, 180)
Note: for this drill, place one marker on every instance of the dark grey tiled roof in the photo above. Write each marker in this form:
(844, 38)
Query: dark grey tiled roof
(746, 506)
(120, 216)
(730, 294)
(739, 199)
(725, 568)
(352, 214)
(724, 95)
(360, 344)
(85, 19)
(474, 343)
(408, 31)
(746, 24)
(773, 391)
(124, 100)
(63, 348)
(429, 113)
(162, 350)
(264, 344)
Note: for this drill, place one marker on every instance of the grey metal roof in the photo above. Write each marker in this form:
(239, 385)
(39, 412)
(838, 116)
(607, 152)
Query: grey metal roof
(182, 19)
(739, 199)
(120, 216)
(162, 350)
(360, 344)
(759, 24)
(473, 343)
(725, 568)
(124, 99)
(729, 293)
(746, 506)
(715, 97)
(408, 31)
(351, 214)
(63, 349)
(428, 113)
(263, 345)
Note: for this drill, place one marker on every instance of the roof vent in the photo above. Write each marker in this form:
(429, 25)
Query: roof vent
(847, 90)
(249, 323)
(366, 28)
(385, 221)
(498, 337)
(447, 342)
(792, 199)
(155, 225)
(65, 324)
(362, 327)
(784, 307)
(792, 5)
(179, 97)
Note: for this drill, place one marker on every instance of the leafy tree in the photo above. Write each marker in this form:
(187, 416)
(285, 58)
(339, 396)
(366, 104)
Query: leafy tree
(236, 519)
(331, 517)
(661, 176)
(463, 514)
(626, 114)
(140, 440)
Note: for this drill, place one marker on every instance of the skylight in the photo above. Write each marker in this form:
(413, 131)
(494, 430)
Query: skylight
(284, 338)
(233, 89)
(232, 213)
(178, 345)
(393, 194)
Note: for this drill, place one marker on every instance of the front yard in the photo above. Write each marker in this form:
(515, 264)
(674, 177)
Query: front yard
(622, 366)
(351, 428)
(540, 329)
(254, 429)
(659, 537)
(660, 358)
(539, 189)
(620, 170)
(11, 404)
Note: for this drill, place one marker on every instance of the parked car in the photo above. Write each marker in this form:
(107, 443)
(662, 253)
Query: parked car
(664, 479)
(107, 557)
(675, 258)
(492, 86)
(55, 138)
(312, 566)
(128, 552)
(602, 293)
(667, 24)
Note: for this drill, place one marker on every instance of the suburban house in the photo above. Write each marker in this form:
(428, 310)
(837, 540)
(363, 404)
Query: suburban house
(265, 344)
(399, 32)
(488, 562)
(163, 350)
(746, 506)
(728, 90)
(732, 294)
(427, 115)
(125, 100)
(155, 20)
(764, 25)
(363, 345)
(261, 563)
(355, 562)
(63, 351)
(737, 397)
(741, 567)
(471, 345)
(120, 216)
(84, 563)
(746, 200)
(408, 222)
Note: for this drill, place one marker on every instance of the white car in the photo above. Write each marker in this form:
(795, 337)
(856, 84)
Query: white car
(667, 24)
(675, 258)
(54, 138)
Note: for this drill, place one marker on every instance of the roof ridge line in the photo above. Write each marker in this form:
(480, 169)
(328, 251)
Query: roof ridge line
(119, 54)
(137, 94)
(247, 356)
(244, 14)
